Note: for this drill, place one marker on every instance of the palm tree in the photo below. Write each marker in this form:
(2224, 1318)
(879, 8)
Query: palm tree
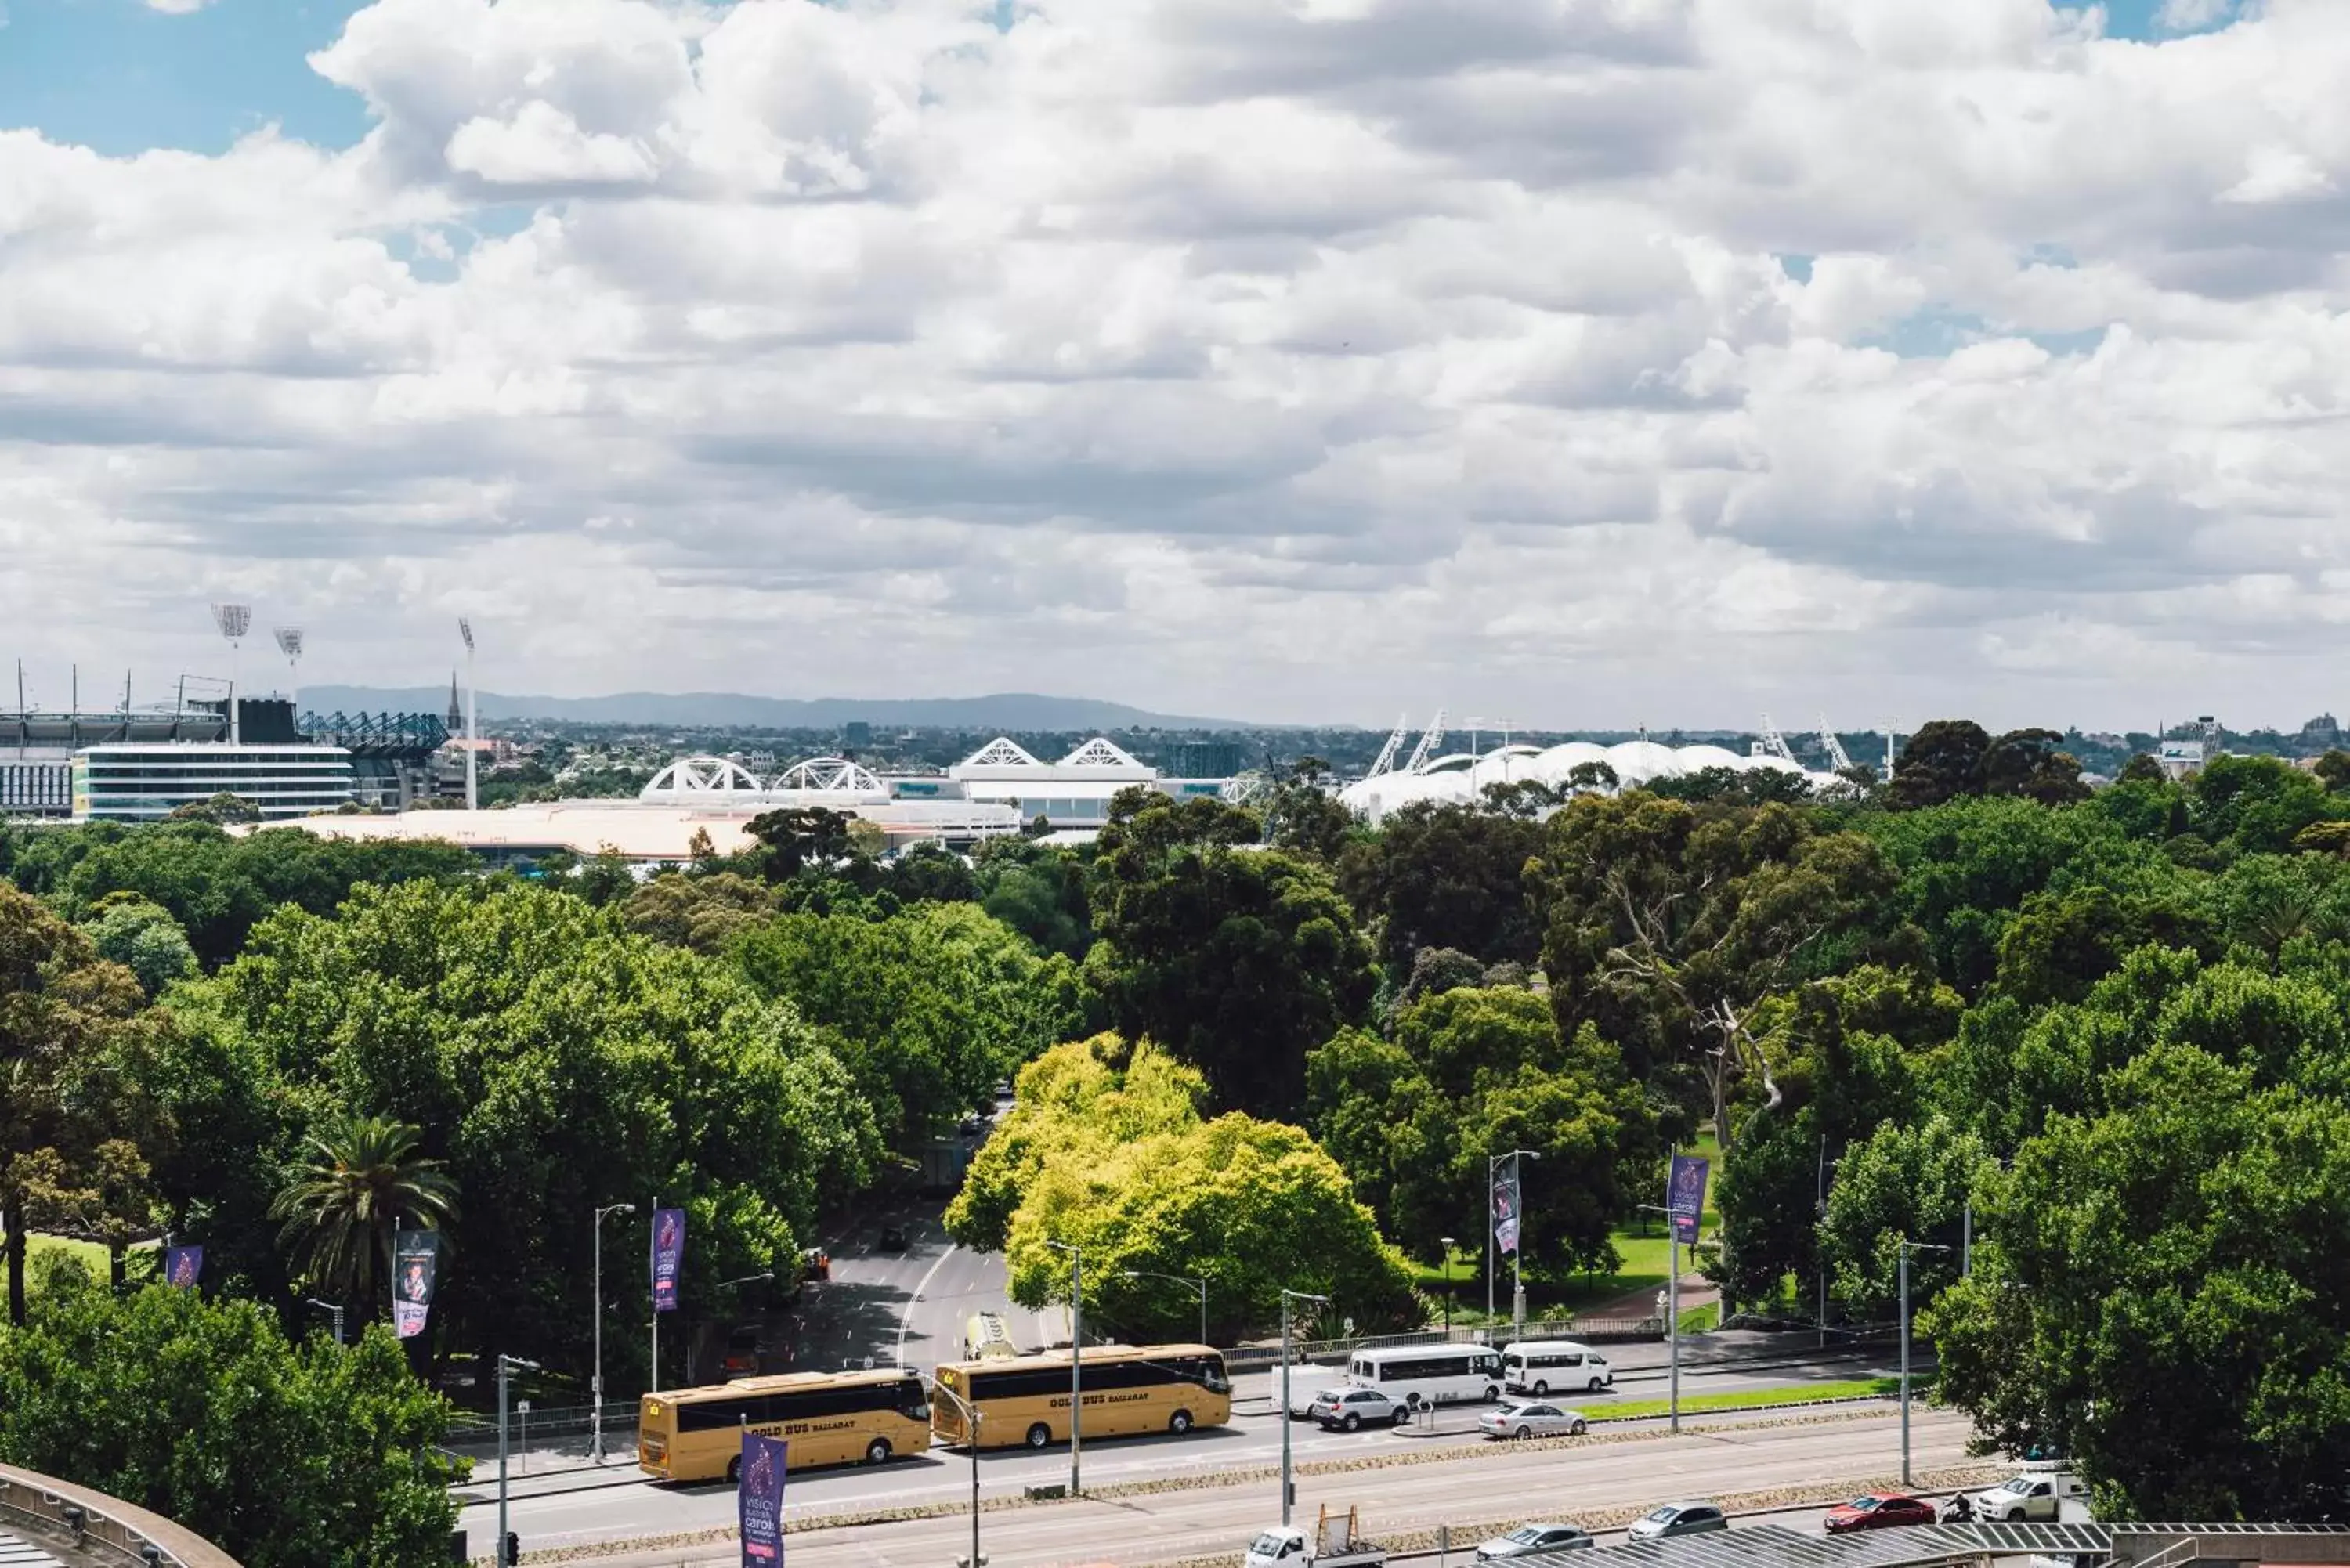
(366, 1181)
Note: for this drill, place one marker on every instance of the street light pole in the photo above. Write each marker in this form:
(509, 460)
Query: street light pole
(505, 1364)
(1517, 1279)
(1286, 1297)
(1672, 1305)
(1448, 1243)
(595, 1415)
(1907, 1247)
(1076, 1356)
(1189, 1281)
(334, 1314)
(970, 1413)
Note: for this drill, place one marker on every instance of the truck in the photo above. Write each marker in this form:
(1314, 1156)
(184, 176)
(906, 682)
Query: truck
(1336, 1541)
(2037, 1494)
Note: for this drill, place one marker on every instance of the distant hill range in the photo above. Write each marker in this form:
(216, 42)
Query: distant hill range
(730, 710)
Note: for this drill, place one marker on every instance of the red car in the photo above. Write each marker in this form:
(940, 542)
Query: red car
(1875, 1512)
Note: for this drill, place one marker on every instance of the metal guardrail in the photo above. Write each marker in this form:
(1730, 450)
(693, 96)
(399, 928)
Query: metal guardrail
(81, 1520)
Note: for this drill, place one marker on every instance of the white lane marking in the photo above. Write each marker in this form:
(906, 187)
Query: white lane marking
(906, 1318)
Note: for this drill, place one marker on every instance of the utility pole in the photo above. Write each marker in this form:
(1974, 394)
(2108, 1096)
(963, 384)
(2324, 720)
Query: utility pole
(1076, 1356)
(1287, 1489)
(505, 1365)
(595, 1417)
(1449, 1244)
(1907, 1247)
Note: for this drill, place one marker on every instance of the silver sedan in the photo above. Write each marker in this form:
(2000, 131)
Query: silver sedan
(1533, 1421)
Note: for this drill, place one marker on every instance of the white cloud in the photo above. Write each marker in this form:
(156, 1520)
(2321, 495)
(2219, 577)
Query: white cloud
(177, 7)
(1600, 360)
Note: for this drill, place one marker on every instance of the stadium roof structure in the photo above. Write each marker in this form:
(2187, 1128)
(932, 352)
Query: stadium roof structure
(1003, 760)
(1928, 1546)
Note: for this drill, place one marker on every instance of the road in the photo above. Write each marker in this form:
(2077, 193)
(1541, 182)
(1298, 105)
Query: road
(569, 1508)
(1599, 1483)
(908, 1306)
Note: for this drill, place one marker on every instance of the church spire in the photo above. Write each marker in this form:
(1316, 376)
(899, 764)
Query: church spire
(456, 712)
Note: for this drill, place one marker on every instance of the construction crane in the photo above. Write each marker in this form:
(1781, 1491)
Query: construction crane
(1429, 739)
(1771, 745)
(1387, 753)
(1838, 758)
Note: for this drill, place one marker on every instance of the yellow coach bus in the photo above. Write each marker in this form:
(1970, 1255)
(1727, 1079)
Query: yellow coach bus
(1127, 1389)
(828, 1417)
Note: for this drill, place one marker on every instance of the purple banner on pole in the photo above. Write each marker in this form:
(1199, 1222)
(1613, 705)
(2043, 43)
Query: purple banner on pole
(183, 1266)
(1685, 1194)
(668, 1256)
(1505, 1207)
(759, 1499)
(415, 1268)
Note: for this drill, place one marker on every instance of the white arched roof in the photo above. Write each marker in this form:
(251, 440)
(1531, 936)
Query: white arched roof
(703, 779)
(829, 776)
(1637, 762)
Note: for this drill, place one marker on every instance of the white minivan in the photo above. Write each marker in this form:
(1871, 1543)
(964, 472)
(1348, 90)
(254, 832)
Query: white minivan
(1537, 1366)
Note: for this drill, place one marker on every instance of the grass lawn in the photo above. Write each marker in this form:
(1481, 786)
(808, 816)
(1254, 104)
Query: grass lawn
(1747, 1399)
(1640, 1246)
(91, 1253)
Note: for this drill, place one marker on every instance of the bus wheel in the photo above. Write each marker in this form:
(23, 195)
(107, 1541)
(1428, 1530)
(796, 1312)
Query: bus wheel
(1542, 1388)
(1492, 1394)
(735, 1471)
(1040, 1436)
(1180, 1422)
(876, 1452)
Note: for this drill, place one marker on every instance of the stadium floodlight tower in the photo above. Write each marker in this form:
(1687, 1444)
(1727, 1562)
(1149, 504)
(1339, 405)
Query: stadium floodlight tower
(235, 621)
(289, 643)
(473, 729)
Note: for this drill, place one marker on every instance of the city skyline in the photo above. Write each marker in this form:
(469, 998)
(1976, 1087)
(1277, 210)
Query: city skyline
(1650, 361)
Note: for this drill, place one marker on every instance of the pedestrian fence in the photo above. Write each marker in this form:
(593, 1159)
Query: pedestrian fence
(565, 1422)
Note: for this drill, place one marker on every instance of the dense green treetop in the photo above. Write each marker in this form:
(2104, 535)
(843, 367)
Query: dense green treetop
(1106, 1150)
(1237, 959)
(2165, 1294)
(199, 1409)
(218, 887)
(929, 1007)
(555, 1062)
(1446, 876)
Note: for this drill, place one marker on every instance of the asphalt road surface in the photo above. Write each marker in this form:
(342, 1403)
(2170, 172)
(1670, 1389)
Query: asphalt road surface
(571, 1508)
(909, 1307)
(1478, 1490)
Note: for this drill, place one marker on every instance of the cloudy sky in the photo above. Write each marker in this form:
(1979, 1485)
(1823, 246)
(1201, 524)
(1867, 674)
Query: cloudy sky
(1581, 362)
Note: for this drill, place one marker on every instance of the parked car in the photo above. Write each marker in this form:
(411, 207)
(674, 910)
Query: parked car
(893, 1238)
(972, 1126)
(1531, 1538)
(1348, 1409)
(1678, 1519)
(2035, 1494)
(1532, 1419)
(1877, 1510)
(741, 1358)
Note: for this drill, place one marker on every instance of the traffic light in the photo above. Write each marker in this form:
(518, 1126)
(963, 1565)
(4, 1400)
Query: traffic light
(513, 1550)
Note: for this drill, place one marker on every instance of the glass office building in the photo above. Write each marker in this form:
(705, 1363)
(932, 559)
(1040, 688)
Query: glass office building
(136, 783)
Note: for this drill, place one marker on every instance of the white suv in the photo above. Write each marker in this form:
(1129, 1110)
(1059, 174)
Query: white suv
(1350, 1409)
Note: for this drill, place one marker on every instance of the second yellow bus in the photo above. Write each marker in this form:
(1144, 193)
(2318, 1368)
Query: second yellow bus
(1128, 1389)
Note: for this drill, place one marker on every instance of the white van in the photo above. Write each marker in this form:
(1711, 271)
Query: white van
(1422, 1374)
(1538, 1366)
